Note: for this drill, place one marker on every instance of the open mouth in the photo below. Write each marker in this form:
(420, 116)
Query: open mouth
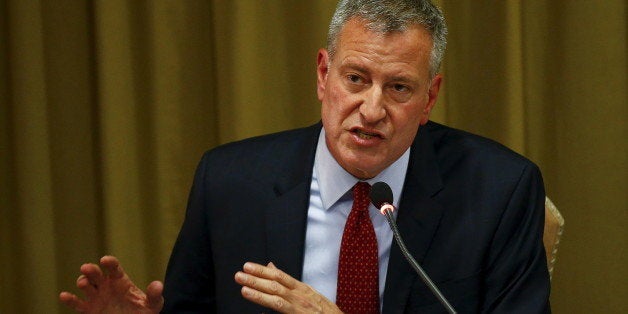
(365, 135)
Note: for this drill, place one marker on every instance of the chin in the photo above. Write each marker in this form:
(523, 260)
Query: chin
(364, 170)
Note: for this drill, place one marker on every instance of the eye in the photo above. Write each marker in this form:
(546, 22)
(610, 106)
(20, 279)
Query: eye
(354, 78)
(400, 92)
(401, 88)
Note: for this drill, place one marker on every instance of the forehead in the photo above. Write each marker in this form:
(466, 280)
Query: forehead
(410, 47)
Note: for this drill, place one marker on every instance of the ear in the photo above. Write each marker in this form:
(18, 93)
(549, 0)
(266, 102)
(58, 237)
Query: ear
(432, 94)
(322, 70)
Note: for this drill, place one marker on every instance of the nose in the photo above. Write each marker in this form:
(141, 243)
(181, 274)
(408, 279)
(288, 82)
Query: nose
(372, 108)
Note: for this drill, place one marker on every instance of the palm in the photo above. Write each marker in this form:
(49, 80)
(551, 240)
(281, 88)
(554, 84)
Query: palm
(112, 291)
(118, 296)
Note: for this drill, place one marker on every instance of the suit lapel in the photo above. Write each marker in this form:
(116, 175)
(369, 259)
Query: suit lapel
(286, 217)
(418, 219)
(286, 223)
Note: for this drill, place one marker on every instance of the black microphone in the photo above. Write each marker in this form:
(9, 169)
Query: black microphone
(382, 198)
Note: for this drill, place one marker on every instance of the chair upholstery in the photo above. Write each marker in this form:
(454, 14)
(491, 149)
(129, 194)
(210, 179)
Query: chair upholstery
(553, 230)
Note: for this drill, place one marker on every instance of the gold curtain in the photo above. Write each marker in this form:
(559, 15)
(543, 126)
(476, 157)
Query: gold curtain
(106, 106)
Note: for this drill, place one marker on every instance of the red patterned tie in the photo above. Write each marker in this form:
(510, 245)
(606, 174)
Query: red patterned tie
(358, 270)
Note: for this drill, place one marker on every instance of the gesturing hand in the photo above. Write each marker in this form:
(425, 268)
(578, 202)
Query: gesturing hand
(108, 289)
(272, 288)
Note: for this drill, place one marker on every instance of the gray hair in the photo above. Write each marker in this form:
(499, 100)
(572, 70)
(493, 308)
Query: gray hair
(386, 16)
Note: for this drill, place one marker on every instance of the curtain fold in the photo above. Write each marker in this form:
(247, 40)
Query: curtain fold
(107, 106)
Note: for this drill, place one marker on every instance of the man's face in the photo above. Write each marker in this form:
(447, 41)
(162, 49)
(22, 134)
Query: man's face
(375, 94)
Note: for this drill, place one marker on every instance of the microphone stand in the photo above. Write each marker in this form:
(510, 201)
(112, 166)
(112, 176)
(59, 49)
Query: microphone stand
(387, 211)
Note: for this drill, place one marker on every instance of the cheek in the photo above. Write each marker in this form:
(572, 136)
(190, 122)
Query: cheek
(405, 124)
(331, 117)
(337, 106)
(405, 117)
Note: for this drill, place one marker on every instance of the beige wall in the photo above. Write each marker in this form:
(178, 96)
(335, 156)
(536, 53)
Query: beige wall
(106, 106)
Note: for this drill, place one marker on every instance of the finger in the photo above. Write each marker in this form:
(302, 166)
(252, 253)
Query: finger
(264, 285)
(112, 266)
(93, 273)
(271, 265)
(72, 301)
(272, 273)
(154, 296)
(270, 301)
(83, 283)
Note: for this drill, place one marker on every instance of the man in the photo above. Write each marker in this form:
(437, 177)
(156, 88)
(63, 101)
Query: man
(274, 210)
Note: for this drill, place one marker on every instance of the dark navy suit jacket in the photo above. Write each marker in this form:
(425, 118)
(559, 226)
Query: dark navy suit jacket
(471, 212)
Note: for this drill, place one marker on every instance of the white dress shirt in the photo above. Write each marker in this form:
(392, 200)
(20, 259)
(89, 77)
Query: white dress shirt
(330, 204)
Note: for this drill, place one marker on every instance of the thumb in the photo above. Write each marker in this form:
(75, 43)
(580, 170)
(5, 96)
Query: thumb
(154, 296)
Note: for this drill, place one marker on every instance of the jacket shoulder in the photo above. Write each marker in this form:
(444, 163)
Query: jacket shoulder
(454, 146)
(265, 155)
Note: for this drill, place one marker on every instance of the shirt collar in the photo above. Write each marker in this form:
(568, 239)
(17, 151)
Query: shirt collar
(334, 181)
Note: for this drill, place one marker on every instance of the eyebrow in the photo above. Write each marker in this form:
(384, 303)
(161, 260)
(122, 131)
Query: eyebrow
(403, 79)
(355, 66)
(395, 78)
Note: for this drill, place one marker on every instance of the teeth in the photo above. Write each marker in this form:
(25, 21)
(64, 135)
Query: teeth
(364, 136)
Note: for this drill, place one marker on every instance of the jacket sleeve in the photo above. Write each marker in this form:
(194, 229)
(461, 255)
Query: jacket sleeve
(189, 284)
(517, 279)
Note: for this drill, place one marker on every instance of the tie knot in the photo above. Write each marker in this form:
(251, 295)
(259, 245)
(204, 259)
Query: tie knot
(361, 198)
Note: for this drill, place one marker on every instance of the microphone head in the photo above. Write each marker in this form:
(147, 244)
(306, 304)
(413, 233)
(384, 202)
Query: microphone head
(381, 194)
